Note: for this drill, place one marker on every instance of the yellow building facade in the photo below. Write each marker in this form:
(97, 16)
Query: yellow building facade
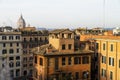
(109, 55)
(108, 50)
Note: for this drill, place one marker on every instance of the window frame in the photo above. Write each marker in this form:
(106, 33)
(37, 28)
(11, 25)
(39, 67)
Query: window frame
(63, 47)
(63, 61)
(104, 46)
(85, 60)
(111, 47)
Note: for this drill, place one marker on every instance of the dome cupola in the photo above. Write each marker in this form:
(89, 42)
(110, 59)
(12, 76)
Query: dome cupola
(21, 22)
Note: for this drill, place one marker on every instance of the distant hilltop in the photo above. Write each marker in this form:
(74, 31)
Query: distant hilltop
(108, 28)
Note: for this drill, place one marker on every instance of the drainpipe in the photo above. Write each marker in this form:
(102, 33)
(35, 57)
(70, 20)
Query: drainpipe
(116, 61)
(47, 71)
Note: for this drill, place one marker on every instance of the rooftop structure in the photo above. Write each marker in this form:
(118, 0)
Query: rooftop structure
(116, 31)
(94, 31)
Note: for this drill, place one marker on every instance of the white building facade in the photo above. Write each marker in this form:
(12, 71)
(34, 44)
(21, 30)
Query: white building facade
(11, 49)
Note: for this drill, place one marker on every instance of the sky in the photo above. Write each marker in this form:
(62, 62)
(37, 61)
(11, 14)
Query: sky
(61, 13)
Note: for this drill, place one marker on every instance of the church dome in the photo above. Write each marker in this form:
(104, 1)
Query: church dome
(21, 22)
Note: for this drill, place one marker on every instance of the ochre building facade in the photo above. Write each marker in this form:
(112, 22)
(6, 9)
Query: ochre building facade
(62, 59)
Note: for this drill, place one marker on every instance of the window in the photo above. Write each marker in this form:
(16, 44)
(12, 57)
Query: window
(46, 39)
(40, 39)
(41, 61)
(103, 46)
(104, 59)
(63, 75)
(24, 65)
(17, 44)
(11, 58)
(24, 51)
(17, 37)
(4, 51)
(36, 39)
(17, 72)
(31, 58)
(70, 75)
(25, 72)
(30, 45)
(62, 35)
(25, 40)
(36, 59)
(77, 37)
(63, 60)
(3, 59)
(4, 37)
(31, 72)
(85, 59)
(4, 44)
(103, 73)
(111, 61)
(119, 63)
(11, 51)
(11, 73)
(11, 64)
(69, 46)
(17, 63)
(17, 57)
(111, 47)
(69, 36)
(10, 37)
(30, 64)
(50, 62)
(25, 59)
(77, 60)
(56, 63)
(77, 75)
(97, 46)
(63, 47)
(30, 52)
(3, 65)
(17, 51)
(30, 39)
(69, 60)
(111, 75)
(11, 45)
(24, 45)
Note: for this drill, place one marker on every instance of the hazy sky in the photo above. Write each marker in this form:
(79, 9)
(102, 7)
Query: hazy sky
(61, 13)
